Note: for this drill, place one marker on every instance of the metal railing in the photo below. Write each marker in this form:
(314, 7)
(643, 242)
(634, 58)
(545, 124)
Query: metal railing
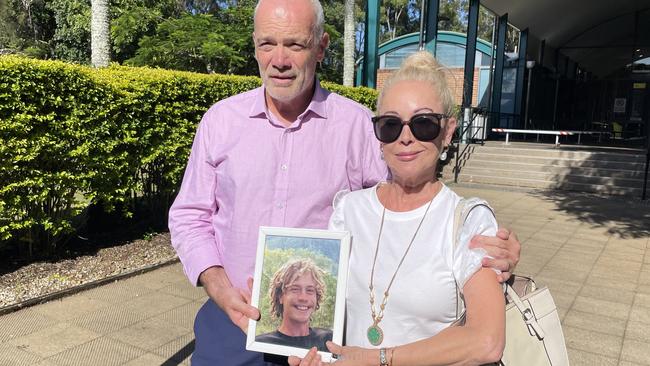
(468, 133)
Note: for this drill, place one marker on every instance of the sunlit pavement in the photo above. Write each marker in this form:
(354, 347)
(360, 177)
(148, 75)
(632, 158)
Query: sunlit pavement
(593, 253)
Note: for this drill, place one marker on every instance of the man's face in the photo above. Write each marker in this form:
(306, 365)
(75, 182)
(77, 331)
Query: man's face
(299, 299)
(285, 50)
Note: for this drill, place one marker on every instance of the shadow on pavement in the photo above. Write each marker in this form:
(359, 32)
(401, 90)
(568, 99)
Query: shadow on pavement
(626, 218)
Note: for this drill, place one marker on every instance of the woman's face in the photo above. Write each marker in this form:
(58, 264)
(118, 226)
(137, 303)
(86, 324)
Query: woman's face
(409, 159)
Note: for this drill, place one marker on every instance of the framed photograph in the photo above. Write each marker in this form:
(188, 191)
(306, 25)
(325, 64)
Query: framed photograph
(299, 288)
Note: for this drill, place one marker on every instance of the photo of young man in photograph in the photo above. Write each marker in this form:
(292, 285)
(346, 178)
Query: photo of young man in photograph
(296, 291)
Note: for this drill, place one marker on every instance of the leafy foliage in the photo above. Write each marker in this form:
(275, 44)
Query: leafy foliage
(71, 135)
(198, 43)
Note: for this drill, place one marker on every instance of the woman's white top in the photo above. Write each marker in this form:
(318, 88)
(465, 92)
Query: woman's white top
(422, 299)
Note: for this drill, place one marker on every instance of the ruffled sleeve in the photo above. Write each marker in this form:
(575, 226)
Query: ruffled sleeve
(467, 261)
(337, 220)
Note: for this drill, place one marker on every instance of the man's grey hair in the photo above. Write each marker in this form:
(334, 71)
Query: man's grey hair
(319, 16)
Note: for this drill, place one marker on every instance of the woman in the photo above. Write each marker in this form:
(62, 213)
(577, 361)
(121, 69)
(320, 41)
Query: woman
(401, 297)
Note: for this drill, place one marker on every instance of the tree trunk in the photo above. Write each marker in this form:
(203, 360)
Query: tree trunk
(100, 34)
(348, 44)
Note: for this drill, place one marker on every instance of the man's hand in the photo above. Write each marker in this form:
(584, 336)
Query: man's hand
(233, 301)
(504, 248)
(312, 358)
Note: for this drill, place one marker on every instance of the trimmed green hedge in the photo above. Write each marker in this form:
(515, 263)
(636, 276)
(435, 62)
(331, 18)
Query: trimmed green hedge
(72, 135)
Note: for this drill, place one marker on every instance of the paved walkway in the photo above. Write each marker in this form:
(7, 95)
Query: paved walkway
(594, 254)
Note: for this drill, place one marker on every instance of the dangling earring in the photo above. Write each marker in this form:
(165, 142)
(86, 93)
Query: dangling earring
(381, 148)
(443, 154)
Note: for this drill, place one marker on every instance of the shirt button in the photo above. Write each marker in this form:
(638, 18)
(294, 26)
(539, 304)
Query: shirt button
(278, 205)
(284, 167)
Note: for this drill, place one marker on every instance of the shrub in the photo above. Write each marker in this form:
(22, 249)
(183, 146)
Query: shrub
(72, 135)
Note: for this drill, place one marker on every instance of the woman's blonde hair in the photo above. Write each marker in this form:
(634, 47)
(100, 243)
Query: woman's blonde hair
(422, 66)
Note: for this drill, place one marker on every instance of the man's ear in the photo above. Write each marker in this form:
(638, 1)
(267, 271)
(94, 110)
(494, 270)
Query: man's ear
(322, 46)
(254, 45)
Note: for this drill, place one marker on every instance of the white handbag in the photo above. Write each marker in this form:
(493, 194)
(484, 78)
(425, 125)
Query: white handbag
(534, 334)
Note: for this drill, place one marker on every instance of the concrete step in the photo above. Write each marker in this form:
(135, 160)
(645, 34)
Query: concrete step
(545, 152)
(542, 166)
(553, 178)
(543, 184)
(561, 162)
(552, 169)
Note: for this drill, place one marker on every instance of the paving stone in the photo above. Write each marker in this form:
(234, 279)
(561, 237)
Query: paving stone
(55, 339)
(184, 290)
(632, 257)
(630, 277)
(155, 303)
(11, 355)
(70, 307)
(564, 273)
(179, 350)
(595, 322)
(601, 307)
(617, 264)
(644, 289)
(636, 351)
(593, 342)
(608, 293)
(582, 358)
(644, 278)
(563, 299)
(22, 322)
(569, 266)
(102, 351)
(148, 334)
(561, 284)
(640, 314)
(46, 362)
(108, 319)
(642, 300)
(183, 315)
(637, 331)
(147, 359)
(628, 363)
(116, 292)
(610, 282)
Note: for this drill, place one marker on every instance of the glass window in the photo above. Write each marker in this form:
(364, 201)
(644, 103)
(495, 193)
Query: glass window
(450, 55)
(393, 59)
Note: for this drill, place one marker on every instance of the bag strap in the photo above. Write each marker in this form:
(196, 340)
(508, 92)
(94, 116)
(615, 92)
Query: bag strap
(464, 207)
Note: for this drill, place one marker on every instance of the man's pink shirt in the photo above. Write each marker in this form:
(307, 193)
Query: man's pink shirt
(247, 170)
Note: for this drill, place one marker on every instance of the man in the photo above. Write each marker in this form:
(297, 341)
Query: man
(272, 156)
(296, 292)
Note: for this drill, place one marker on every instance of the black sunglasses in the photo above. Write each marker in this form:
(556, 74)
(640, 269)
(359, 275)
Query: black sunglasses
(424, 126)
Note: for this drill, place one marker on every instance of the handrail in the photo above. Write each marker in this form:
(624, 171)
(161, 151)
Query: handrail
(469, 139)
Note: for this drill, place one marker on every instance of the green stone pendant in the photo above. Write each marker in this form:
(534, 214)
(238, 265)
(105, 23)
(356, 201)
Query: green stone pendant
(375, 335)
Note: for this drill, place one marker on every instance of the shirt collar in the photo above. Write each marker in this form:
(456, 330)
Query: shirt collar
(318, 104)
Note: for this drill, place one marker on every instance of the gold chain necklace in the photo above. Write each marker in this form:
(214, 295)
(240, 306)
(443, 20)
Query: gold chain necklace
(375, 334)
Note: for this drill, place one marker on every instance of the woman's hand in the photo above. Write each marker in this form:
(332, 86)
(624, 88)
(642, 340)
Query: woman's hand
(312, 358)
(354, 356)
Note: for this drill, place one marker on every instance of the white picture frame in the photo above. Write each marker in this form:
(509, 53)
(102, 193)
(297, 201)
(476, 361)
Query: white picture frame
(278, 248)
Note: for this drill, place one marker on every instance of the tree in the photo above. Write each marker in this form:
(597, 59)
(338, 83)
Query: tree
(199, 43)
(100, 35)
(348, 44)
